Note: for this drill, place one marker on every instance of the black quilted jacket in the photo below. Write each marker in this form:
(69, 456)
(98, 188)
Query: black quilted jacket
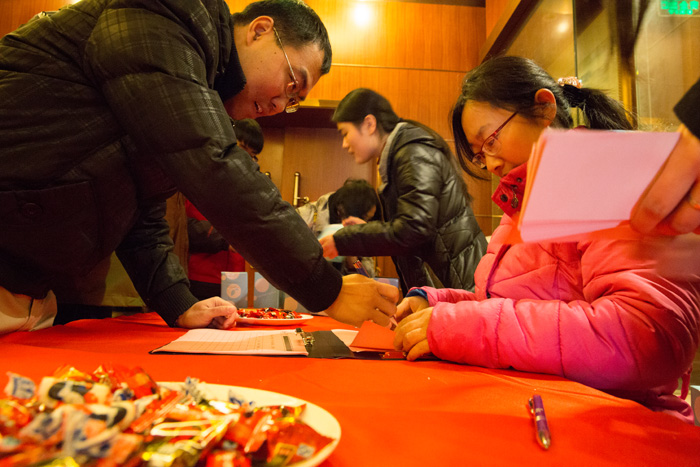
(107, 107)
(426, 217)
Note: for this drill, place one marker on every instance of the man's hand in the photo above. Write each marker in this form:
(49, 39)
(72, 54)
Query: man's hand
(363, 299)
(213, 312)
(412, 334)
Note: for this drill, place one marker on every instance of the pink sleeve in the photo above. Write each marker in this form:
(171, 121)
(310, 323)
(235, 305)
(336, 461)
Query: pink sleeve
(447, 295)
(632, 330)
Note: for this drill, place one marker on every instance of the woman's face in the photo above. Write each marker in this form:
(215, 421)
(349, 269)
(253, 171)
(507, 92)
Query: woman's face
(361, 142)
(481, 119)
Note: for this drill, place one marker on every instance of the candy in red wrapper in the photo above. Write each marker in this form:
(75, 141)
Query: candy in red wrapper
(136, 379)
(13, 416)
(293, 441)
(35, 456)
(249, 432)
(155, 411)
(268, 313)
(227, 459)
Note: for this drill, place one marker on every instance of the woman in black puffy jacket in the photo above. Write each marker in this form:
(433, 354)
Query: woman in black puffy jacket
(427, 222)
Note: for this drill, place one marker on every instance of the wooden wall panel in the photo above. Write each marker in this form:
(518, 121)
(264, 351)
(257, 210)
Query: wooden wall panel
(401, 34)
(426, 96)
(494, 10)
(318, 155)
(14, 13)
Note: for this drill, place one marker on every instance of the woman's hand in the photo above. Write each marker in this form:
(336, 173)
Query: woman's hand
(412, 334)
(328, 244)
(671, 203)
(352, 220)
(213, 312)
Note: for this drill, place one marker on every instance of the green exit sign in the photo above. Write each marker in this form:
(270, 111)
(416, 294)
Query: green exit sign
(671, 8)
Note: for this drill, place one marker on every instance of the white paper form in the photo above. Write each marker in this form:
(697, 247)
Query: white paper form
(235, 342)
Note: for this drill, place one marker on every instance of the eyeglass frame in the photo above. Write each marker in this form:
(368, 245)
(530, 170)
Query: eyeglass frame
(293, 104)
(479, 158)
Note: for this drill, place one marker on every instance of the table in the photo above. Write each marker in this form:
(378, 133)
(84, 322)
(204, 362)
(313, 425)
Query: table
(391, 412)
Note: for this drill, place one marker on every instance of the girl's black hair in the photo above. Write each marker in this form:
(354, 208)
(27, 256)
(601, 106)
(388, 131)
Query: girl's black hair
(359, 103)
(510, 83)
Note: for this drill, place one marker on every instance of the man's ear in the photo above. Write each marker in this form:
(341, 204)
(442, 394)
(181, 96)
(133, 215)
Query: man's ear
(546, 99)
(259, 27)
(370, 124)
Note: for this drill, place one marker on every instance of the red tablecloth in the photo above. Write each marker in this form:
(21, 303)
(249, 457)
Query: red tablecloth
(391, 412)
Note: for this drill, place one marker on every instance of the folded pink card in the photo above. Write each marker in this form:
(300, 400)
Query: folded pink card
(582, 181)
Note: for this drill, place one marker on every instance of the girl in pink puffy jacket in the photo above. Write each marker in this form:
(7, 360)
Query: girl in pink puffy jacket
(592, 311)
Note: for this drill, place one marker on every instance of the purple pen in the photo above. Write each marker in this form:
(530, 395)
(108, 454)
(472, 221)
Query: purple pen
(359, 267)
(541, 427)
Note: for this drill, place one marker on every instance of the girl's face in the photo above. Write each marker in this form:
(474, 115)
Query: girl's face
(481, 119)
(363, 142)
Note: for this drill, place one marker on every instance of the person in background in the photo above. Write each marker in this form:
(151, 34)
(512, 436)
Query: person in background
(209, 253)
(427, 226)
(593, 311)
(109, 107)
(353, 203)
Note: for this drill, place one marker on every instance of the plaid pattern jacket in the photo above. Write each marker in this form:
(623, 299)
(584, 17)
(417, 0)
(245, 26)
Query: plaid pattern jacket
(106, 108)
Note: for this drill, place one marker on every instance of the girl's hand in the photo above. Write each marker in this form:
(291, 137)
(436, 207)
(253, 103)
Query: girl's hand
(410, 305)
(412, 334)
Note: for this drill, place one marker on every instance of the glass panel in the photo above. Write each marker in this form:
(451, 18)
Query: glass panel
(597, 66)
(548, 38)
(666, 58)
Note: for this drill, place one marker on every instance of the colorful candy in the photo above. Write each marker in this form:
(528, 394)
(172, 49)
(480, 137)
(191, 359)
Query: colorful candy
(267, 313)
(118, 416)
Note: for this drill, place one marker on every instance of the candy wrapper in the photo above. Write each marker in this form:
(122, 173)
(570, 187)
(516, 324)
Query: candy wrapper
(117, 416)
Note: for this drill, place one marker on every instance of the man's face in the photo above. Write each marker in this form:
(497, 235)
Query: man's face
(267, 72)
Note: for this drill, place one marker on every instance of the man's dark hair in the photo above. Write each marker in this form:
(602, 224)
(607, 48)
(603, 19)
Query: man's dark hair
(249, 132)
(355, 198)
(296, 23)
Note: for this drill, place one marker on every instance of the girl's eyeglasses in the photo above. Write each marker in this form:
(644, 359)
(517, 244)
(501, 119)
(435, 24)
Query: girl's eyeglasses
(491, 146)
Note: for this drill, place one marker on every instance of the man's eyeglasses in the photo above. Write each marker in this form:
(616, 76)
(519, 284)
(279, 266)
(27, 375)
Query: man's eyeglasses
(291, 90)
(491, 146)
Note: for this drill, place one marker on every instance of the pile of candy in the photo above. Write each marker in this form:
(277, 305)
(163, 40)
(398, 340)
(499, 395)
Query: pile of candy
(268, 313)
(117, 416)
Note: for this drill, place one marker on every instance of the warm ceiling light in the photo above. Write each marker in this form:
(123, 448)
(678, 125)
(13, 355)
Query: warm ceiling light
(362, 15)
(563, 27)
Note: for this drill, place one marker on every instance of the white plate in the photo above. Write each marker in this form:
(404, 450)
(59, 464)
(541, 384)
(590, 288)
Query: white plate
(274, 322)
(314, 416)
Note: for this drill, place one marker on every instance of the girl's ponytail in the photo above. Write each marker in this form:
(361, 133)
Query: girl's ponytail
(601, 111)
